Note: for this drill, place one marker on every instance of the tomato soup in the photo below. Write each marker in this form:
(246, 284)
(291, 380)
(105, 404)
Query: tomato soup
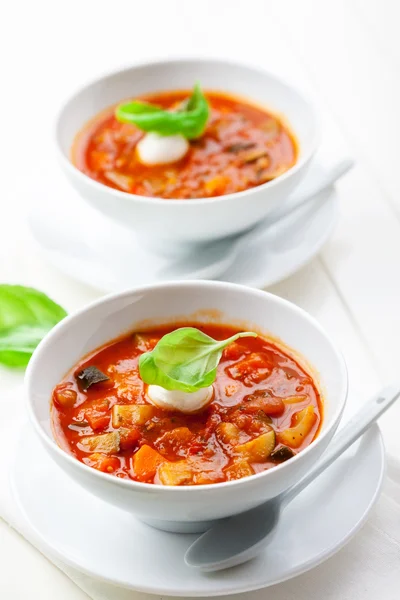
(243, 146)
(265, 409)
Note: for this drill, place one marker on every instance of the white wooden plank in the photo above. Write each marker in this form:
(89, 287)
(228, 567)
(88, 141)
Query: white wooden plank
(25, 573)
(382, 22)
(355, 78)
(363, 254)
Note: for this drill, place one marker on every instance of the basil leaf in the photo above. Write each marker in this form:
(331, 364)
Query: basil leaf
(185, 359)
(190, 121)
(26, 316)
(89, 376)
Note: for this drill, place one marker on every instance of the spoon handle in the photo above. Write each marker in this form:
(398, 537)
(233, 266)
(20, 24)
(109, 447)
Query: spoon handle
(321, 183)
(353, 429)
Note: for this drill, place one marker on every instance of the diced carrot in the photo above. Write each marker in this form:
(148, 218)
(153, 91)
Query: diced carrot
(145, 463)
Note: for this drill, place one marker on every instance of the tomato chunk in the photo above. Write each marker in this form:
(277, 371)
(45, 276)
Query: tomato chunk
(97, 414)
(262, 400)
(102, 462)
(253, 369)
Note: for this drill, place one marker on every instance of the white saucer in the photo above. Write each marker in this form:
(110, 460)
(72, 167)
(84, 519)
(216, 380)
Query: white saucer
(104, 542)
(83, 244)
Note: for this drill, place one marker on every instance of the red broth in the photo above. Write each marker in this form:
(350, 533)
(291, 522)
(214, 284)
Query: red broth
(243, 146)
(266, 408)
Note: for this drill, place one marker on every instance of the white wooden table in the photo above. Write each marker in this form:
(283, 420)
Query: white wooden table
(346, 53)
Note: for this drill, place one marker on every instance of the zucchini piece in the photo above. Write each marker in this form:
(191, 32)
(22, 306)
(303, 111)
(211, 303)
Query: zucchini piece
(126, 415)
(107, 443)
(295, 436)
(258, 449)
(175, 473)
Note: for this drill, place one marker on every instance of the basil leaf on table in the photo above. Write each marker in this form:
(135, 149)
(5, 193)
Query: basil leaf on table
(185, 359)
(190, 121)
(26, 316)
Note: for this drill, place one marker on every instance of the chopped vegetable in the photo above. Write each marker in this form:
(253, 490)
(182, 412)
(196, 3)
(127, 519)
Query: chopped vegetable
(254, 155)
(185, 359)
(175, 440)
(262, 400)
(239, 146)
(228, 433)
(145, 463)
(90, 376)
(294, 399)
(143, 342)
(97, 414)
(125, 415)
(252, 369)
(129, 437)
(175, 473)
(26, 316)
(108, 443)
(294, 436)
(102, 462)
(122, 181)
(239, 469)
(258, 449)
(65, 397)
(281, 454)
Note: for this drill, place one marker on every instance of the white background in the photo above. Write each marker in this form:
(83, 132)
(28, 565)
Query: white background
(345, 53)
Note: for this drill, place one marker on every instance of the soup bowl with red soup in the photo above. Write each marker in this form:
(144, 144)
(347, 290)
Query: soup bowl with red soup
(222, 162)
(186, 402)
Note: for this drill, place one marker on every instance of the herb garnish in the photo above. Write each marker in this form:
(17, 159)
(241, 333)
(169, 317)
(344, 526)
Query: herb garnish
(26, 316)
(185, 359)
(190, 120)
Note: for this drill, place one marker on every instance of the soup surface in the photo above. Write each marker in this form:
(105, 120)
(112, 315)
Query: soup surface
(265, 409)
(242, 146)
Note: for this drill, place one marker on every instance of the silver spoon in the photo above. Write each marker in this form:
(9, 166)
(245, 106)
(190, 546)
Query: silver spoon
(237, 539)
(216, 258)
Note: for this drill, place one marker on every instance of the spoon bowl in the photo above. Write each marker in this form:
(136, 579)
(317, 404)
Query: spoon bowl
(240, 538)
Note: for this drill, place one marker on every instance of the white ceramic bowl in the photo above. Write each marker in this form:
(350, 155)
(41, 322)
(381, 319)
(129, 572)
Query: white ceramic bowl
(189, 508)
(167, 224)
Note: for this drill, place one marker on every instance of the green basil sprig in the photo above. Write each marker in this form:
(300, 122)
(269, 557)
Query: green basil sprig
(190, 121)
(185, 359)
(26, 315)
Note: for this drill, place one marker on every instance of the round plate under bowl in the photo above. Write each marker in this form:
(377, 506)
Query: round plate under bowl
(109, 544)
(84, 245)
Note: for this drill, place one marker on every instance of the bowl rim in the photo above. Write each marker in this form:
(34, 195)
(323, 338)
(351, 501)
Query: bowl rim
(63, 326)
(261, 72)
